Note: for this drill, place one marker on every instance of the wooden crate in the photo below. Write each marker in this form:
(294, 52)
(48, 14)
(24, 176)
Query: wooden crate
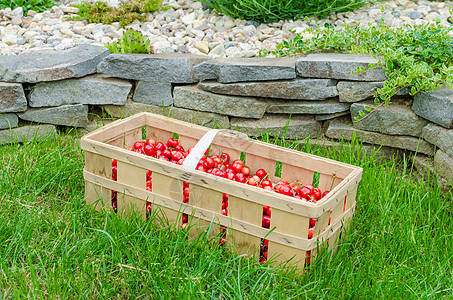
(288, 236)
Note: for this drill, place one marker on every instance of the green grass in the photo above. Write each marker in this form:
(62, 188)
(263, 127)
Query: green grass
(274, 10)
(36, 5)
(52, 245)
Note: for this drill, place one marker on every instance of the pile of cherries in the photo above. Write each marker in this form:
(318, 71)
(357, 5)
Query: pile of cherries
(222, 166)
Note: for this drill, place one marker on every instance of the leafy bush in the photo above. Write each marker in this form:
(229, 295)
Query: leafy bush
(275, 10)
(126, 13)
(36, 5)
(419, 57)
(131, 42)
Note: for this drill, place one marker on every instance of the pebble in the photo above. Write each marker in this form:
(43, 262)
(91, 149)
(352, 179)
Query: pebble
(186, 28)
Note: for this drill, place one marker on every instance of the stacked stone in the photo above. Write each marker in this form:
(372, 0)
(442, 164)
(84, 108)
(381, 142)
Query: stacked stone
(313, 96)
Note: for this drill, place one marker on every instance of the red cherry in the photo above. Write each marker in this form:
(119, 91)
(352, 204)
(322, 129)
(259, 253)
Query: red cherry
(245, 170)
(224, 205)
(253, 181)
(230, 176)
(304, 192)
(185, 218)
(222, 241)
(150, 150)
(177, 155)
(208, 163)
(324, 194)
(268, 188)
(312, 222)
(114, 205)
(240, 178)
(225, 212)
(238, 161)
(261, 173)
(266, 223)
(139, 145)
(310, 187)
(284, 182)
(160, 146)
(200, 168)
(149, 206)
(317, 193)
(225, 157)
(151, 142)
(114, 163)
(140, 151)
(267, 210)
(179, 148)
(216, 159)
(263, 260)
(310, 232)
(167, 154)
(185, 199)
(285, 190)
(266, 182)
(295, 187)
(237, 167)
(172, 142)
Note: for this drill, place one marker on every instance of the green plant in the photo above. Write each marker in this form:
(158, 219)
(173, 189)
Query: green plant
(275, 10)
(131, 42)
(126, 13)
(36, 5)
(419, 57)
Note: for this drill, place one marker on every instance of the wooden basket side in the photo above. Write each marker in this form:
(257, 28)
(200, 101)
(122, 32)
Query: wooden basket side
(96, 195)
(116, 128)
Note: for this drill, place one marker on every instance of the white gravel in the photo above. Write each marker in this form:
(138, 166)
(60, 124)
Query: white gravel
(187, 28)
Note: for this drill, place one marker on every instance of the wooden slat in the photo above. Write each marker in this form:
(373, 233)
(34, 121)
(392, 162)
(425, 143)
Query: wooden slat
(96, 195)
(158, 134)
(187, 142)
(116, 128)
(288, 223)
(337, 212)
(321, 224)
(350, 199)
(252, 213)
(284, 254)
(207, 200)
(257, 162)
(230, 187)
(291, 173)
(248, 228)
(327, 182)
(136, 177)
(132, 137)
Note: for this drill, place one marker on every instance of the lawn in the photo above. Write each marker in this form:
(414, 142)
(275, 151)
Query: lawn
(53, 246)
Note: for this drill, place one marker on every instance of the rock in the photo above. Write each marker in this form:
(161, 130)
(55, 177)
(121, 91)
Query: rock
(194, 98)
(439, 136)
(27, 133)
(67, 115)
(8, 121)
(155, 93)
(338, 66)
(414, 15)
(339, 128)
(95, 89)
(395, 119)
(188, 19)
(228, 70)
(69, 9)
(331, 116)
(355, 91)
(299, 88)
(436, 106)
(201, 118)
(35, 67)
(17, 20)
(307, 107)
(203, 46)
(175, 68)
(444, 165)
(293, 127)
(12, 98)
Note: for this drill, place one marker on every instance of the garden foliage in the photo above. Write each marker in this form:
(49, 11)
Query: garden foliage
(36, 5)
(131, 42)
(419, 57)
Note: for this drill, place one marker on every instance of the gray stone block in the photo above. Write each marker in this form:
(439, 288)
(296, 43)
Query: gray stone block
(338, 66)
(308, 107)
(192, 97)
(341, 128)
(154, 93)
(35, 67)
(439, 136)
(8, 121)
(294, 127)
(444, 165)
(68, 115)
(12, 98)
(164, 67)
(395, 119)
(95, 89)
(303, 89)
(197, 117)
(331, 116)
(355, 91)
(228, 70)
(436, 106)
(27, 134)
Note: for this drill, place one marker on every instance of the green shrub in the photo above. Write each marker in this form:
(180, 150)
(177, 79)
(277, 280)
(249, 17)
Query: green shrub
(36, 5)
(275, 10)
(131, 42)
(126, 13)
(419, 57)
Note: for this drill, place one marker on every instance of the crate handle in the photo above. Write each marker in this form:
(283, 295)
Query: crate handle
(191, 161)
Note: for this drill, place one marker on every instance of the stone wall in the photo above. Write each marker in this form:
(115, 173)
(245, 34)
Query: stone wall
(312, 96)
